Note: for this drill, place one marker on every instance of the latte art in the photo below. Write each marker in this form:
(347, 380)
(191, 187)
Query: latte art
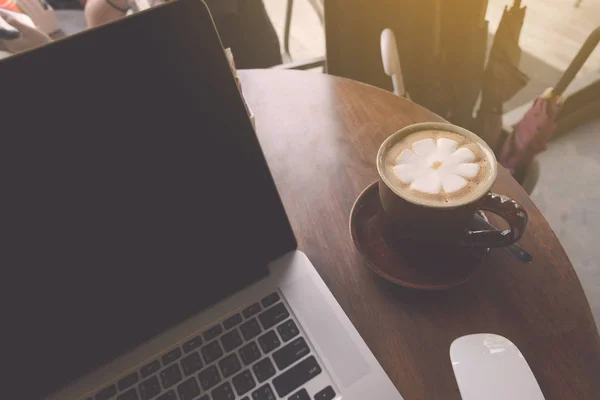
(437, 167)
(432, 166)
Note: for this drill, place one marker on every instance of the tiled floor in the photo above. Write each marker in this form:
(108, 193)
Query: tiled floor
(568, 194)
(554, 29)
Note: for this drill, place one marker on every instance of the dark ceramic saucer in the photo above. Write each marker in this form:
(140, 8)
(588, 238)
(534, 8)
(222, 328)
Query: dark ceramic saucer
(415, 264)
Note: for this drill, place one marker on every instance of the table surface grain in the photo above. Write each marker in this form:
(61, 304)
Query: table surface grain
(320, 135)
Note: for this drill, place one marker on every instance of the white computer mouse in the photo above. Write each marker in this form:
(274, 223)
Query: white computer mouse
(491, 367)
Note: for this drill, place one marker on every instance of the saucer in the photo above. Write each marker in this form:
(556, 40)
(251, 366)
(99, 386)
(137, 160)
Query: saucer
(419, 264)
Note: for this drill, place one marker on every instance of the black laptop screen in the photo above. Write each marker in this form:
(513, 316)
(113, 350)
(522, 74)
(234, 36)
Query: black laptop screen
(134, 193)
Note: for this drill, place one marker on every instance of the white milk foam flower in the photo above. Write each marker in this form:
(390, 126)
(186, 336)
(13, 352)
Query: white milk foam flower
(435, 165)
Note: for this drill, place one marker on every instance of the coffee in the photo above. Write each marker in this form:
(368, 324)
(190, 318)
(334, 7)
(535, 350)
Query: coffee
(438, 168)
(433, 178)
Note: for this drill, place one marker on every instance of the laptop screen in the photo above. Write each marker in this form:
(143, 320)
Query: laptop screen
(134, 193)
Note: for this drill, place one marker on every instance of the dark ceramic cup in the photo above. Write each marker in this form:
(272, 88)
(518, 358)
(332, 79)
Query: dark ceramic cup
(403, 218)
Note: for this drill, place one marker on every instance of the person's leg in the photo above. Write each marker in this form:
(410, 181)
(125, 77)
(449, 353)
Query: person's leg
(249, 32)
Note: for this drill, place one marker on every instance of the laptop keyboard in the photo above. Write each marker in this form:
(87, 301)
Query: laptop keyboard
(256, 354)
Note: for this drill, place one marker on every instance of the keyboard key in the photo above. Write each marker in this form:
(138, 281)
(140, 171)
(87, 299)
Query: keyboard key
(213, 332)
(288, 330)
(291, 353)
(230, 365)
(296, 376)
(269, 342)
(171, 356)
(191, 363)
(264, 369)
(245, 398)
(232, 321)
(273, 316)
(212, 352)
(209, 377)
(170, 376)
(251, 310)
(326, 394)
(128, 381)
(270, 300)
(170, 395)
(188, 389)
(231, 340)
(250, 329)
(192, 344)
(243, 382)
(149, 369)
(263, 393)
(300, 395)
(149, 388)
(223, 392)
(131, 394)
(205, 397)
(249, 353)
(106, 393)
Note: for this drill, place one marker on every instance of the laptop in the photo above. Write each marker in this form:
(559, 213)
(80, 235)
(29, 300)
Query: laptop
(146, 253)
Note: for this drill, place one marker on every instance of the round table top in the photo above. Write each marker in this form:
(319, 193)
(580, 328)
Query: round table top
(320, 135)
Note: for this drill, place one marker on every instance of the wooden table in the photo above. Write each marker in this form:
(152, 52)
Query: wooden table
(320, 135)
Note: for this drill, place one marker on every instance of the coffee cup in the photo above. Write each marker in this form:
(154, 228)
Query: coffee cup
(433, 179)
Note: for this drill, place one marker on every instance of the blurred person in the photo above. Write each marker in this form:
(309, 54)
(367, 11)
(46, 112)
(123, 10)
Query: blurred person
(37, 25)
(30, 37)
(42, 15)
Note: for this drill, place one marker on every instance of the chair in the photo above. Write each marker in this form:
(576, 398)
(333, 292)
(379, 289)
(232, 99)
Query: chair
(391, 61)
(318, 7)
(353, 32)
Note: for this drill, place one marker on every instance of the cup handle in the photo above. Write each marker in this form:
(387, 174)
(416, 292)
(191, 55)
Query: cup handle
(510, 211)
